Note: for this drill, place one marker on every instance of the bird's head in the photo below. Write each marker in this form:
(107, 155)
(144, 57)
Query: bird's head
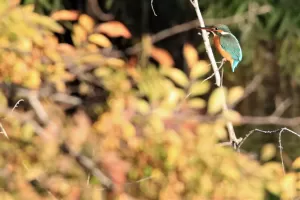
(219, 29)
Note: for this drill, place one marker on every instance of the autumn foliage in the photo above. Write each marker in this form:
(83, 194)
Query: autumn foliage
(153, 130)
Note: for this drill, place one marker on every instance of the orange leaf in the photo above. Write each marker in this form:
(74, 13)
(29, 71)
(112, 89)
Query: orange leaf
(162, 56)
(100, 40)
(190, 55)
(67, 15)
(114, 29)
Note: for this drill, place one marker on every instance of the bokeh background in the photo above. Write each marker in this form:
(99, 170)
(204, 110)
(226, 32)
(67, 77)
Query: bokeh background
(102, 99)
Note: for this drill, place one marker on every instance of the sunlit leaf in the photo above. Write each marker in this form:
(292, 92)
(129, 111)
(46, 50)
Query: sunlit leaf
(196, 103)
(296, 163)
(86, 22)
(199, 88)
(232, 116)
(216, 100)
(115, 62)
(289, 186)
(46, 22)
(32, 80)
(100, 40)
(190, 55)
(199, 69)
(268, 152)
(79, 34)
(114, 29)
(102, 72)
(162, 56)
(68, 15)
(177, 76)
(235, 94)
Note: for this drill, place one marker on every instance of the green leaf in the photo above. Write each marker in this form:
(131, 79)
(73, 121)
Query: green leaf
(216, 100)
(199, 88)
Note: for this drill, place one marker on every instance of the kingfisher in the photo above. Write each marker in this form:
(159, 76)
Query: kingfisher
(226, 43)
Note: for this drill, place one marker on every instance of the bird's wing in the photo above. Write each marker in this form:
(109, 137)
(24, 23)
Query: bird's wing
(230, 44)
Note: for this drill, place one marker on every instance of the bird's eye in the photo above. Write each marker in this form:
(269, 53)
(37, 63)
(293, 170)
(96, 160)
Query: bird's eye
(216, 29)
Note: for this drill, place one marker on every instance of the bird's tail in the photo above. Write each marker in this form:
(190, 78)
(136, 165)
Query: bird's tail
(234, 64)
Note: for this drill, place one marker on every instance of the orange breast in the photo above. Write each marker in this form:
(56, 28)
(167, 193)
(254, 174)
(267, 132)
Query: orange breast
(221, 50)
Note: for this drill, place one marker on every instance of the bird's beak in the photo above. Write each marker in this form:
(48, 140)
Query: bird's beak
(208, 28)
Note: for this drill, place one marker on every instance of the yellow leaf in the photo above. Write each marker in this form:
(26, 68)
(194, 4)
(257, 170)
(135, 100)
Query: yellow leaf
(177, 76)
(221, 131)
(288, 185)
(197, 103)
(268, 152)
(216, 100)
(100, 40)
(46, 22)
(199, 69)
(190, 55)
(162, 56)
(32, 80)
(92, 59)
(296, 163)
(86, 22)
(79, 34)
(234, 94)
(199, 88)
(67, 15)
(142, 106)
(3, 100)
(114, 29)
(232, 116)
(102, 72)
(115, 62)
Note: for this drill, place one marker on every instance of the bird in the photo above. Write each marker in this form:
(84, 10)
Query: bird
(226, 43)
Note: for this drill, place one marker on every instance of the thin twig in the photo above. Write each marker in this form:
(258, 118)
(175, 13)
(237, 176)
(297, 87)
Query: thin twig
(221, 65)
(153, 8)
(2, 130)
(281, 149)
(281, 130)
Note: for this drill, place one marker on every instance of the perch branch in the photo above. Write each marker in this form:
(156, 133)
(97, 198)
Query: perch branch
(207, 43)
(232, 136)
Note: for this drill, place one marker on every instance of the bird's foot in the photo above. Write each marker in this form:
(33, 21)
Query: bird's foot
(223, 61)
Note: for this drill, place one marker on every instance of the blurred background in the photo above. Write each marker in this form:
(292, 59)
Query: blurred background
(105, 99)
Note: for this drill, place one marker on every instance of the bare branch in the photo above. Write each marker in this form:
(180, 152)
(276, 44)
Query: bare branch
(270, 120)
(281, 130)
(282, 107)
(250, 88)
(89, 166)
